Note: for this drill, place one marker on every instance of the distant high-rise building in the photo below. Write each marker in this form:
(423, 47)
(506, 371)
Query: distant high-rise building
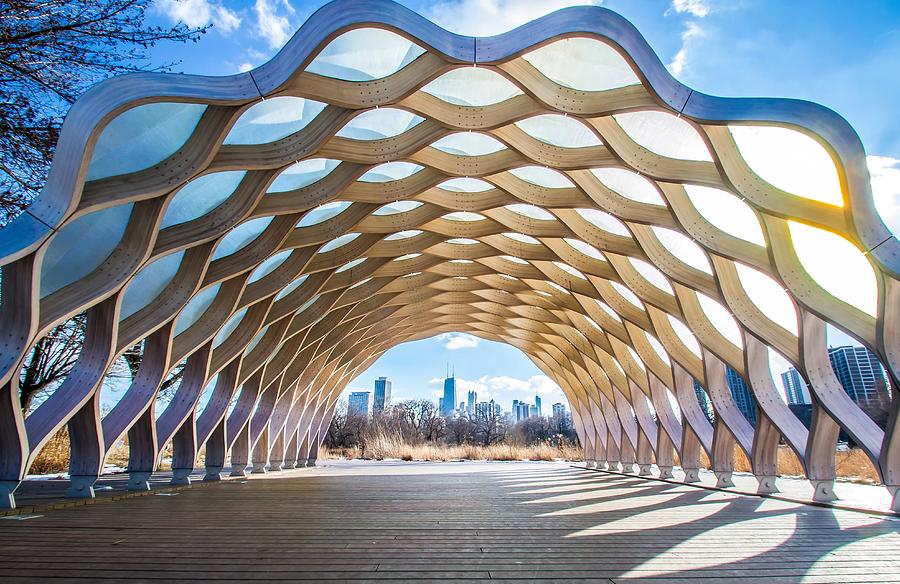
(559, 410)
(794, 387)
(521, 410)
(486, 410)
(537, 404)
(358, 404)
(741, 394)
(462, 408)
(382, 395)
(449, 401)
(532, 412)
(861, 374)
(703, 400)
(470, 406)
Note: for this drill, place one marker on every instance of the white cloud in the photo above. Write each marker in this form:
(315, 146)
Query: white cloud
(272, 23)
(490, 17)
(885, 173)
(698, 8)
(244, 67)
(200, 13)
(454, 341)
(692, 31)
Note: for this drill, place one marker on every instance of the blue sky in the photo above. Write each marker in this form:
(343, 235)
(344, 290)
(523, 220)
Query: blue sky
(842, 55)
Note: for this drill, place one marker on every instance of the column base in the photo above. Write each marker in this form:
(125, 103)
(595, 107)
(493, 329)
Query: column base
(824, 491)
(275, 466)
(767, 485)
(7, 496)
(590, 464)
(644, 470)
(238, 471)
(310, 462)
(628, 467)
(601, 464)
(181, 476)
(665, 472)
(287, 465)
(213, 474)
(894, 490)
(81, 487)
(258, 468)
(723, 479)
(691, 475)
(139, 481)
(301, 462)
(613, 465)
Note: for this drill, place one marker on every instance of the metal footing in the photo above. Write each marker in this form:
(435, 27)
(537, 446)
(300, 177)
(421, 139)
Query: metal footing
(258, 468)
(213, 474)
(590, 464)
(7, 496)
(895, 500)
(288, 465)
(612, 465)
(767, 485)
(301, 462)
(628, 467)
(823, 491)
(275, 466)
(601, 464)
(238, 471)
(691, 475)
(310, 462)
(723, 479)
(665, 472)
(81, 487)
(138, 481)
(181, 476)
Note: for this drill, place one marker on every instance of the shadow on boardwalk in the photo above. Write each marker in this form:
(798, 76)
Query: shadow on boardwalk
(458, 522)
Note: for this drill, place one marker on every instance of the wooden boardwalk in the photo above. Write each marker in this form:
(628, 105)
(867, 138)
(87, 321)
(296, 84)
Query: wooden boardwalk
(460, 522)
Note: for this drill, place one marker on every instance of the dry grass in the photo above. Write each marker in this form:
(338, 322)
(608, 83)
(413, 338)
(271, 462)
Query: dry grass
(384, 447)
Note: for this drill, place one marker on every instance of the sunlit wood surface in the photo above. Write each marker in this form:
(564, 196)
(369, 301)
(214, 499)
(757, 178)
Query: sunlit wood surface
(393, 522)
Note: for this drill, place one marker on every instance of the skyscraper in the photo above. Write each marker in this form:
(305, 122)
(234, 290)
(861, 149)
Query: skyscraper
(449, 400)
(860, 372)
(559, 410)
(794, 387)
(358, 404)
(470, 406)
(382, 395)
(741, 394)
(537, 404)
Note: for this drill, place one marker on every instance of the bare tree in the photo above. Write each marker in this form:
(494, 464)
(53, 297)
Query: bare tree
(346, 430)
(50, 52)
(51, 359)
(490, 428)
(460, 430)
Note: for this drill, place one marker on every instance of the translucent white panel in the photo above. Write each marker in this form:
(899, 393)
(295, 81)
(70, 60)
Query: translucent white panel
(569, 270)
(291, 287)
(411, 274)
(143, 136)
(608, 310)
(582, 63)
(240, 237)
(200, 196)
(604, 221)
(522, 238)
(380, 123)
(768, 296)
(206, 395)
(791, 161)
(273, 119)
(402, 234)
(837, 265)
(268, 266)
(255, 341)
(323, 213)
(593, 323)
(542, 176)
(463, 216)
(585, 248)
(461, 262)
(462, 241)
(408, 256)
(230, 325)
(148, 283)
(514, 259)
(469, 144)
(364, 54)
(473, 86)
(390, 171)
(727, 212)
(397, 207)
(194, 309)
(307, 304)
(627, 294)
(350, 265)
(640, 363)
(302, 174)
(629, 184)
(685, 335)
(653, 275)
(558, 130)
(81, 246)
(532, 211)
(360, 283)
(665, 134)
(466, 185)
(721, 318)
(557, 287)
(680, 246)
(338, 242)
(657, 347)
